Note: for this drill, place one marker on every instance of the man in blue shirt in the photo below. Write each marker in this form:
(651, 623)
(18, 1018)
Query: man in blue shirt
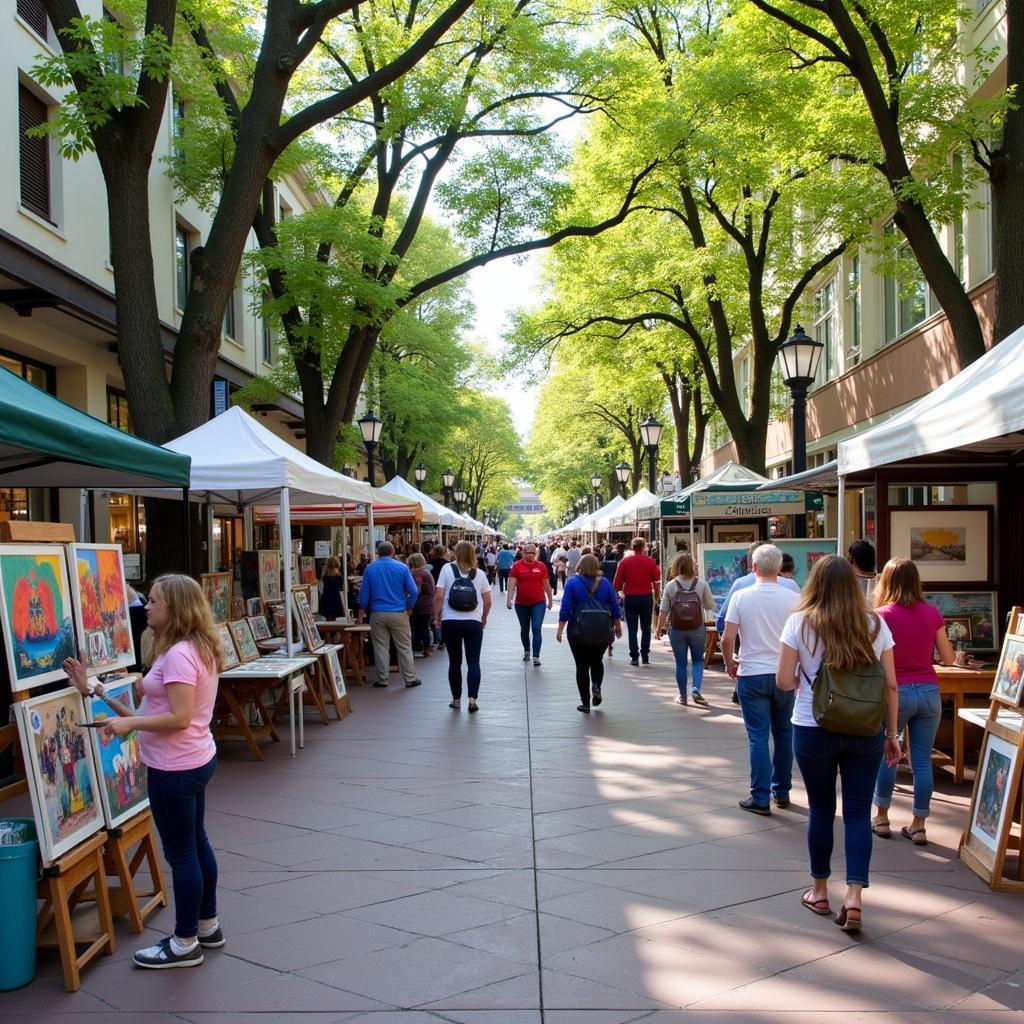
(387, 595)
(506, 556)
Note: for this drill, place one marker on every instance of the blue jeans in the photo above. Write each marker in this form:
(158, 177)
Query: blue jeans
(767, 710)
(921, 711)
(178, 802)
(692, 641)
(639, 608)
(821, 756)
(457, 632)
(531, 616)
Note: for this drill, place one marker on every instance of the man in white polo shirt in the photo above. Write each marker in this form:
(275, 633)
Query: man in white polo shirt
(757, 614)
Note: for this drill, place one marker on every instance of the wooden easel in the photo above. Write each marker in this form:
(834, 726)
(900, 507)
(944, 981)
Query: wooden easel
(77, 878)
(122, 864)
(987, 864)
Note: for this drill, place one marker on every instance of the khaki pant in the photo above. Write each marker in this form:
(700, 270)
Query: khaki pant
(385, 627)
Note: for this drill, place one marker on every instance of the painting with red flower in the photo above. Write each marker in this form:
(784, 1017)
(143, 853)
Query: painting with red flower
(101, 606)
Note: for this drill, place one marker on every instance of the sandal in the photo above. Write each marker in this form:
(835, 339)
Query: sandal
(455, 705)
(917, 836)
(848, 918)
(880, 827)
(816, 905)
(473, 707)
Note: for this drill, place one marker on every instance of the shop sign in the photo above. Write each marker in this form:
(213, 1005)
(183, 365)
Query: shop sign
(745, 504)
(132, 566)
(321, 548)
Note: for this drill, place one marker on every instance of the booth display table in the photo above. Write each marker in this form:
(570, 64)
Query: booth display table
(351, 636)
(957, 683)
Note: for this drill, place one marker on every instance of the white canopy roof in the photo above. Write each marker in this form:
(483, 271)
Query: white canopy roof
(588, 519)
(626, 511)
(433, 511)
(981, 409)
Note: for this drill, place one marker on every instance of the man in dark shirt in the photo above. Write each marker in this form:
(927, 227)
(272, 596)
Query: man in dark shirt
(639, 579)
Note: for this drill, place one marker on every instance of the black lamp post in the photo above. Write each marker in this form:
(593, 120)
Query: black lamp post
(420, 473)
(595, 482)
(650, 432)
(622, 475)
(460, 500)
(371, 426)
(347, 470)
(447, 479)
(798, 361)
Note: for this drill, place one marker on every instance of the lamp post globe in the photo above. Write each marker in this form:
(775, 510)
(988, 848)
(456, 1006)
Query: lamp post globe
(650, 433)
(595, 482)
(447, 479)
(370, 426)
(622, 472)
(420, 473)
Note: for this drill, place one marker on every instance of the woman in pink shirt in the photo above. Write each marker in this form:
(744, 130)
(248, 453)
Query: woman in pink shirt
(178, 750)
(917, 629)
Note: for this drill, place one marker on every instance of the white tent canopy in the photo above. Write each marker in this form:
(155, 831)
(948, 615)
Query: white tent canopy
(981, 404)
(626, 513)
(433, 511)
(588, 519)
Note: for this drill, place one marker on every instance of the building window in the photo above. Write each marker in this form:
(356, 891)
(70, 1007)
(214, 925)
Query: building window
(267, 333)
(743, 385)
(117, 410)
(853, 300)
(33, 13)
(182, 262)
(35, 154)
(35, 373)
(177, 125)
(825, 331)
(906, 295)
(128, 523)
(229, 317)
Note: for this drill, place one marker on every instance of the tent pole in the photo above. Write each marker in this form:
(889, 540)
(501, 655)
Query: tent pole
(372, 553)
(247, 528)
(188, 529)
(841, 515)
(92, 516)
(693, 548)
(210, 567)
(344, 563)
(284, 532)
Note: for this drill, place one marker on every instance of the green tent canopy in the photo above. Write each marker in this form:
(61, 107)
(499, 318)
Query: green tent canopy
(45, 442)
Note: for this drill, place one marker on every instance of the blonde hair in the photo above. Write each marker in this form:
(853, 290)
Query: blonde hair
(465, 556)
(588, 566)
(836, 613)
(189, 617)
(333, 562)
(416, 561)
(682, 565)
(900, 583)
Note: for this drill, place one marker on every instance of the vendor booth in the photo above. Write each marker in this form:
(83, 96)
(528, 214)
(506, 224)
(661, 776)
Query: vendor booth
(625, 518)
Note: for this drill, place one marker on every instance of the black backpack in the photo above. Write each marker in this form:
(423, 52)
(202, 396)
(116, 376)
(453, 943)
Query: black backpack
(462, 593)
(592, 623)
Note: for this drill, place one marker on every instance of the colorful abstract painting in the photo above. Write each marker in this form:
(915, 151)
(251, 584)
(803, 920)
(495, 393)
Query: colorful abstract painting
(217, 588)
(123, 789)
(36, 613)
(101, 606)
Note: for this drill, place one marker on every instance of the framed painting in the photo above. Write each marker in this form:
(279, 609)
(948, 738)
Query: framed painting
(303, 615)
(217, 588)
(992, 790)
(229, 655)
(1008, 685)
(237, 608)
(276, 617)
(253, 607)
(100, 600)
(720, 566)
(948, 543)
(36, 613)
(678, 539)
(805, 553)
(245, 642)
(61, 774)
(123, 779)
(259, 627)
(307, 569)
(270, 575)
(337, 677)
(734, 533)
(970, 611)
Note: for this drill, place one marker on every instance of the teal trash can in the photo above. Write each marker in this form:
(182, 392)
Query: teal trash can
(18, 874)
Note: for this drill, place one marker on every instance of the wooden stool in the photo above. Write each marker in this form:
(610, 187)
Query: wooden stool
(76, 878)
(124, 899)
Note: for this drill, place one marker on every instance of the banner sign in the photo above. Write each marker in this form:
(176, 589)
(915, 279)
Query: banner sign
(745, 504)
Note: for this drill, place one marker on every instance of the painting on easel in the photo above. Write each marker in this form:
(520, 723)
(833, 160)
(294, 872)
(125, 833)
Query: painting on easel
(36, 614)
(101, 606)
(123, 779)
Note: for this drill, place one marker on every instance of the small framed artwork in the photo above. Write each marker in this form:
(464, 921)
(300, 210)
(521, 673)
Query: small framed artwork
(62, 779)
(259, 627)
(245, 643)
(948, 543)
(217, 588)
(1008, 685)
(229, 655)
(275, 613)
(735, 533)
(303, 615)
(270, 575)
(100, 599)
(123, 779)
(720, 566)
(958, 628)
(337, 677)
(307, 569)
(992, 791)
(805, 553)
(253, 607)
(237, 608)
(970, 615)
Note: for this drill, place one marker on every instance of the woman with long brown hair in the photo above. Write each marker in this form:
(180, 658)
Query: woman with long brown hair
(178, 750)
(917, 629)
(833, 624)
(683, 580)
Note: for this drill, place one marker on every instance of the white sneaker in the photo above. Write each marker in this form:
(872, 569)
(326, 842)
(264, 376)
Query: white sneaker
(536, 661)
(161, 956)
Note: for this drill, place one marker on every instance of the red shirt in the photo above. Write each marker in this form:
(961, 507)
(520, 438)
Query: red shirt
(531, 577)
(637, 573)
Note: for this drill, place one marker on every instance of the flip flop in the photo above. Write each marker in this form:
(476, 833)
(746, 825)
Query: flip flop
(917, 836)
(881, 828)
(815, 906)
(848, 918)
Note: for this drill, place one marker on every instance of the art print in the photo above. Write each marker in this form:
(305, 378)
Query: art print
(36, 613)
(958, 628)
(995, 776)
(948, 544)
(720, 566)
(1008, 684)
(303, 615)
(217, 588)
(725, 533)
(259, 627)
(270, 575)
(245, 643)
(805, 553)
(100, 600)
(237, 608)
(976, 609)
(61, 774)
(229, 656)
(942, 545)
(307, 569)
(123, 779)
(337, 676)
(253, 607)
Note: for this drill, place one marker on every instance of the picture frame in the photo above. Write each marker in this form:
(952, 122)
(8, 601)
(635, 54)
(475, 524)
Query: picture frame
(237, 608)
(276, 618)
(735, 533)
(805, 553)
(99, 597)
(36, 613)
(253, 607)
(270, 575)
(720, 566)
(1008, 685)
(62, 781)
(259, 627)
(229, 655)
(993, 796)
(947, 543)
(217, 588)
(303, 615)
(978, 607)
(337, 676)
(123, 779)
(245, 642)
(307, 569)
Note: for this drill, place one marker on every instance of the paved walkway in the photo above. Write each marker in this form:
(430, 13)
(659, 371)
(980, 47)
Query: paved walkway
(531, 864)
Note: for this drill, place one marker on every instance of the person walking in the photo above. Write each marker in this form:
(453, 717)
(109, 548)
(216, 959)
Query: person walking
(638, 578)
(832, 624)
(917, 628)
(491, 561)
(387, 596)
(684, 602)
(462, 602)
(423, 610)
(530, 590)
(506, 556)
(572, 557)
(178, 750)
(590, 611)
(331, 584)
(757, 615)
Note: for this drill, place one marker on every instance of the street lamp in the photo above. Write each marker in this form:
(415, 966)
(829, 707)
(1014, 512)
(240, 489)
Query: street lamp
(347, 470)
(420, 473)
(595, 482)
(447, 479)
(460, 499)
(798, 361)
(370, 426)
(622, 475)
(650, 432)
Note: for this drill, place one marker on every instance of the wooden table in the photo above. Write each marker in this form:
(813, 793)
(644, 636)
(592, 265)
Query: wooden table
(351, 636)
(957, 683)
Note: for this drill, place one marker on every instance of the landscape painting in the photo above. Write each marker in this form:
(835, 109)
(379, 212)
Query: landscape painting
(36, 613)
(721, 565)
(948, 544)
(100, 599)
(270, 575)
(1008, 684)
(217, 588)
(61, 775)
(991, 803)
(973, 609)
(123, 780)
(941, 545)
(805, 553)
